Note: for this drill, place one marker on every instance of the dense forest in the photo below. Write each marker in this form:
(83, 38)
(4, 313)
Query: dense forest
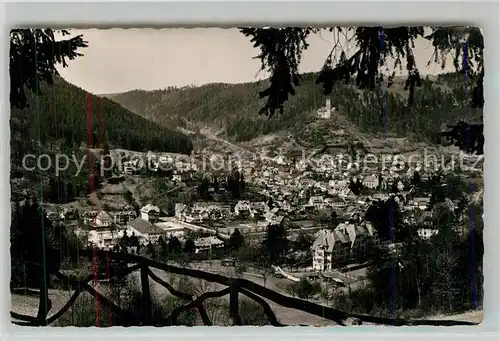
(60, 116)
(235, 107)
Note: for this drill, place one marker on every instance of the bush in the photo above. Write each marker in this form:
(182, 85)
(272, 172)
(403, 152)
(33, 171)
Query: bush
(252, 314)
(241, 268)
(127, 295)
(304, 288)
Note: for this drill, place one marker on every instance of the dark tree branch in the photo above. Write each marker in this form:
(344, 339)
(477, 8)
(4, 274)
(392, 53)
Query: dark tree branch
(34, 54)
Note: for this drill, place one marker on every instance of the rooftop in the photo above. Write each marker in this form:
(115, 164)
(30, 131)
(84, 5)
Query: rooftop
(149, 207)
(144, 226)
(207, 241)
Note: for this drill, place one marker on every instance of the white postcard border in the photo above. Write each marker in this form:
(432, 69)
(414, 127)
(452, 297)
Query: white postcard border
(226, 14)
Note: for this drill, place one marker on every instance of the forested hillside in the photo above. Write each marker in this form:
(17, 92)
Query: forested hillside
(60, 117)
(57, 123)
(235, 107)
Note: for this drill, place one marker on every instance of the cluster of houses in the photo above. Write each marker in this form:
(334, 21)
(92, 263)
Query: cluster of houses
(352, 240)
(288, 194)
(280, 183)
(259, 213)
(355, 239)
(202, 211)
(180, 170)
(284, 200)
(105, 229)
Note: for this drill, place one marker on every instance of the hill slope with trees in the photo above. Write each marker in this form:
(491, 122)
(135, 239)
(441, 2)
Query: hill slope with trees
(235, 107)
(60, 115)
(57, 122)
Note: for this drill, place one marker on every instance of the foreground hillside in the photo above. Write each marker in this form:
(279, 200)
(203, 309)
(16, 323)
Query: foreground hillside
(232, 109)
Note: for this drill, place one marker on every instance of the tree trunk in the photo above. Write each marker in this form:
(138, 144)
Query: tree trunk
(233, 306)
(146, 297)
(418, 293)
(45, 304)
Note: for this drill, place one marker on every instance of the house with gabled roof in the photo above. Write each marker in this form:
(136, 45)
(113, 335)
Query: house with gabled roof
(346, 193)
(180, 211)
(207, 244)
(123, 217)
(89, 216)
(339, 202)
(103, 219)
(242, 207)
(258, 208)
(371, 182)
(285, 206)
(345, 243)
(67, 214)
(150, 213)
(317, 202)
(52, 215)
(105, 238)
(427, 233)
(420, 203)
(145, 231)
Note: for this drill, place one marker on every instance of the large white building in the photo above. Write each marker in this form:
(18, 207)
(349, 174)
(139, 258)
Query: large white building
(150, 213)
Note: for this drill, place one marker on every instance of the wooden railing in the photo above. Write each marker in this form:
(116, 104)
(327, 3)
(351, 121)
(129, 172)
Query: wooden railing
(234, 287)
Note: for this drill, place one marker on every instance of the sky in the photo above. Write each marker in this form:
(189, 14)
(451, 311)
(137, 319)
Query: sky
(119, 60)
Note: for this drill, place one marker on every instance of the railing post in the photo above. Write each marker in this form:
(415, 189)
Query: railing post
(233, 305)
(146, 296)
(45, 304)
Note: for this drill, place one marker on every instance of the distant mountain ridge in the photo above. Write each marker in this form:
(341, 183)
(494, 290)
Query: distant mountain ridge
(233, 108)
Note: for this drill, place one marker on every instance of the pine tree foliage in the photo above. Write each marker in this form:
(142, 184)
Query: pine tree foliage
(38, 246)
(34, 54)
